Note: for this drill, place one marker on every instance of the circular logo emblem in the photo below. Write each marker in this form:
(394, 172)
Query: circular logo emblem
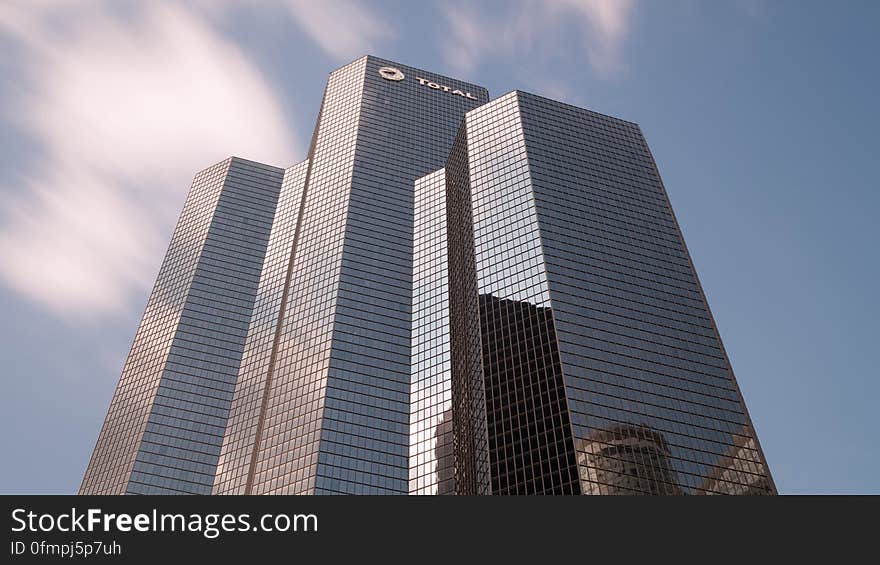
(391, 73)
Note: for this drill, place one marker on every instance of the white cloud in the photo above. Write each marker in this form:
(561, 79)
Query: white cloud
(529, 26)
(342, 28)
(125, 105)
(609, 22)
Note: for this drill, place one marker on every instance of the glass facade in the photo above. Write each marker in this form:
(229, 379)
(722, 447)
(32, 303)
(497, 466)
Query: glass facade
(431, 466)
(166, 422)
(530, 449)
(448, 296)
(336, 409)
(470, 439)
(244, 416)
(602, 366)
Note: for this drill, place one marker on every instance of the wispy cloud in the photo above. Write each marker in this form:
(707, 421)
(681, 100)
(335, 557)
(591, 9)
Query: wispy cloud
(344, 29)
(514, 29)
(125, 105)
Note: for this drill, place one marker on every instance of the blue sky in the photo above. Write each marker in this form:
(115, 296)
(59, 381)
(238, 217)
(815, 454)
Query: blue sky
(762, 117)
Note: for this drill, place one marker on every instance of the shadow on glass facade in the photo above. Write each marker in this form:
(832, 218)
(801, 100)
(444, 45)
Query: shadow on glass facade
(470, 435)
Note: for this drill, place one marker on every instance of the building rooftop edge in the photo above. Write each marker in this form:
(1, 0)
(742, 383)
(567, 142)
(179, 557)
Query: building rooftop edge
(532, 94)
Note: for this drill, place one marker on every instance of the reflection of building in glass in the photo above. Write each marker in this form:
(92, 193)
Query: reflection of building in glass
(625, 459)
(741, 472)
(530, 445)
(525, 319)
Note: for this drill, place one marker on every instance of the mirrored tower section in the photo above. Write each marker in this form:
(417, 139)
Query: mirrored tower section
(530, 448)
(430, 425)
(165, 425)
(335, 418)
(470, 439)
(244, 423)
(611, 378)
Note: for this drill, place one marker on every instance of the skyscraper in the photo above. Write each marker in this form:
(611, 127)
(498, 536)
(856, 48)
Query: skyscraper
(316, 388)
(448, 295)
(334, 416)
(167, 419)
(431, 465)
(603, 371)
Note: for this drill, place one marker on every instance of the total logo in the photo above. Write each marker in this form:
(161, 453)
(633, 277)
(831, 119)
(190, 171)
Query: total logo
(396, 75)
(391, 73)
